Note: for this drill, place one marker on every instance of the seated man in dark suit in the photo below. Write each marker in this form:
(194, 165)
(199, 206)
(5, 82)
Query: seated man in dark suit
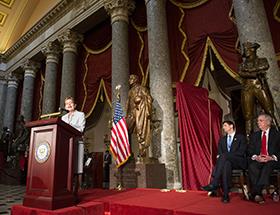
(231, 155)
(264, 155)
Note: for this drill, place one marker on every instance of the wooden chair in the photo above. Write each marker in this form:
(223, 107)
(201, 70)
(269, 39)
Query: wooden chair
(239, 174)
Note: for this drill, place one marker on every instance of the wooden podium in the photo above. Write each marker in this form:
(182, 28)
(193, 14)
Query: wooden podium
(50, 165)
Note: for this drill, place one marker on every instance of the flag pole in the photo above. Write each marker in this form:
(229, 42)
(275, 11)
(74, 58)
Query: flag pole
(119, 186)
(120, 146)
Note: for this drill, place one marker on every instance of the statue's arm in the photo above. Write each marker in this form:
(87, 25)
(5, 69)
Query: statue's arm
(248, 73)
(263, 65)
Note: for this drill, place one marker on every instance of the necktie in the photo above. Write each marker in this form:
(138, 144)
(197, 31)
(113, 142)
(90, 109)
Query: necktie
(228, 142)
(264, 148)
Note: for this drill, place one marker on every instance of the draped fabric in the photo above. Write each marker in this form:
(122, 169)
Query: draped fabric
(94, 68)
(199, 127)
(94, 64)
(272, 9)
(193, 28)
(193, 31)
(138, 43)
(188, 3)
(216, 124)
(38, 94)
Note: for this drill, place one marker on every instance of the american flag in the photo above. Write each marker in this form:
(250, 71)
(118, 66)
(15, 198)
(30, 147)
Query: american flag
(119, 146)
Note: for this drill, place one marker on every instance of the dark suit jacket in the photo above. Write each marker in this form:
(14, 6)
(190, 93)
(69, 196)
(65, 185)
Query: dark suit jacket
(273, 143)
(238, 149)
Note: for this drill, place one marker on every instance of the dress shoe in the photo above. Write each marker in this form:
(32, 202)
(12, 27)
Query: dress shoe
(209, 187)
(259, 199)
(213, 193)
(225, 199)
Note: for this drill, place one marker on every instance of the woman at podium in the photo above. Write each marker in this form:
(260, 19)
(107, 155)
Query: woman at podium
(77, 120)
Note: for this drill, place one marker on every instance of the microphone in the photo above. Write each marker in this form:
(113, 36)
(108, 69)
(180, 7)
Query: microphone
(63, 110)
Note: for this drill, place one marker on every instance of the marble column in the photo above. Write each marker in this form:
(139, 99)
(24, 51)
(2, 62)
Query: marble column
(30, 68)
(161, 87)
(70, 40)
(51, 51)
(253, 26)
(119, 12)
(10, 106)
(3, 91)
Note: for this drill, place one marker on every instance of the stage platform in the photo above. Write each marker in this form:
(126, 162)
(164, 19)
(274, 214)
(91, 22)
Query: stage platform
(154, 202)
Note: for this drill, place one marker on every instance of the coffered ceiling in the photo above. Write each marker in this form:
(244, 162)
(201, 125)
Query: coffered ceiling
(18, 16)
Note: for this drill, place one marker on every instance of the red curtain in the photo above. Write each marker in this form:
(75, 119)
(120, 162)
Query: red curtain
(193, 31)
(272, 9)
(199, 126)
(93, 77)
(38, 94)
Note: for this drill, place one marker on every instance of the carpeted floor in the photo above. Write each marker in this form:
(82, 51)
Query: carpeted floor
(153, 201)
(156, 202)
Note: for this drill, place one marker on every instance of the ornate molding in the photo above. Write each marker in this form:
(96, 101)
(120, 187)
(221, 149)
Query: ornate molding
(13, 80)
(119, 9)
(85, 4)
(70, 40)
(52, 51)
(41, 25)
(13, 83)
(2, 58)
(30, 68)
(3, 76)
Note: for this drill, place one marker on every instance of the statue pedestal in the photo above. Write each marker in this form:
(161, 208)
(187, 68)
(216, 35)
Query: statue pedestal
(132, 175)
(151, 175)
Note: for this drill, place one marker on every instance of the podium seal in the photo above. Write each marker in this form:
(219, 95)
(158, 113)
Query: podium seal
(42, 152)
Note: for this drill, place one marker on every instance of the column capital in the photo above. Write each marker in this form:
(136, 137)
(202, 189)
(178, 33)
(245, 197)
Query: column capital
(119, 9)
(3, 76)
(52, 51)
(13, 81)
(69, 40)
(30, 68)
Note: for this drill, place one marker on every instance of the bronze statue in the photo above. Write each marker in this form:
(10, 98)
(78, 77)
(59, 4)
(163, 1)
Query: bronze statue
(253, 71)
(139, 110)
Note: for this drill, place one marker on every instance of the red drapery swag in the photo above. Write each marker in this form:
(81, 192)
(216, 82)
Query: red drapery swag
(272, 9)
(199, 127)
(193, 31)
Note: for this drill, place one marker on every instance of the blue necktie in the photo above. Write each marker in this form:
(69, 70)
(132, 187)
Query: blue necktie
(228, 142)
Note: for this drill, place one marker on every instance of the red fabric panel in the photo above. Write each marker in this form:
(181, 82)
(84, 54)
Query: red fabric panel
(117, 209)
(274, 24)
(216, 124)
(94, 208)
(93, 69)
(96, 72)
(38, 94)
(135, 47)
(138, 42)
(199, 24)
(21, 210)
(197, 146)
(153, 201)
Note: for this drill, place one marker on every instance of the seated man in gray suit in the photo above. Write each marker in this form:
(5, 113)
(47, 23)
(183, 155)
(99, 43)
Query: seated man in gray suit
(231, 155)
